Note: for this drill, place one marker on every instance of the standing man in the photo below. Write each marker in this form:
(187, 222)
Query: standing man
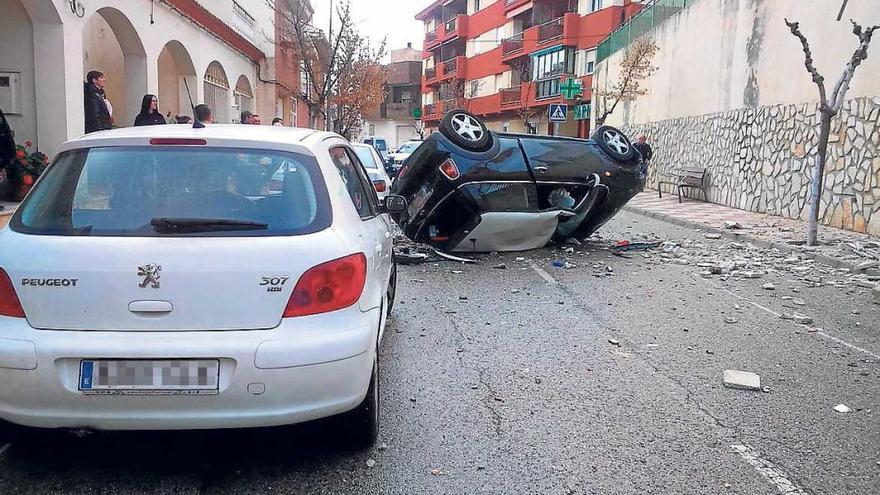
(645, 150)
(245, 117)
(203, 116)
(97, 113)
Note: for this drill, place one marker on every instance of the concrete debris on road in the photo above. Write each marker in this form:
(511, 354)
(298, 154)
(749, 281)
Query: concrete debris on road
(842, 408)
(712, 235)
(731, 225)
(743, 380)
(768, 287)
(614, 342)
(876, 293)
(371, 463)
(730, 319)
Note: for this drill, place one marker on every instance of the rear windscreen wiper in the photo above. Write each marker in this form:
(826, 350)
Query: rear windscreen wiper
(173, 225)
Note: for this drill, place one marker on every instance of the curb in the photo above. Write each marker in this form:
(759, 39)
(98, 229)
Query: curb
(739, 236)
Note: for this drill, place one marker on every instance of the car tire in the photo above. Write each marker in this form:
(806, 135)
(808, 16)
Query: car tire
(615, 144)
(361, 424)
(466, 131)
(392, 289)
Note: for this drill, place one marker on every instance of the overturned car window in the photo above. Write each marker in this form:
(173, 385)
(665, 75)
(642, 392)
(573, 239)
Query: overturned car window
(193, 191)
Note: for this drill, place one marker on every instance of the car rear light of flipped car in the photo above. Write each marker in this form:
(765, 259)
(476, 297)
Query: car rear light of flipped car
(380, 185)
(450, 169)
(328, 287)
(9, 303)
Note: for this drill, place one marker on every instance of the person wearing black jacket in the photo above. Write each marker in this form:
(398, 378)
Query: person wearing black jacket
(645, 150)
(149, 112)
(97, 115)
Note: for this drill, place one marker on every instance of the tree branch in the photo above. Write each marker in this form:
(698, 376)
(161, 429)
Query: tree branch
(860, 55)
(808, 62)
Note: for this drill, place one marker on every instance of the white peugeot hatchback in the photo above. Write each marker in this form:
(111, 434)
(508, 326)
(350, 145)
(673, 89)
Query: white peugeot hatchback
(168, 277)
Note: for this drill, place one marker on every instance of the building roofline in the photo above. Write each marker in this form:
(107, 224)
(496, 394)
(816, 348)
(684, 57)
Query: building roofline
(424, 13)
(199, 15)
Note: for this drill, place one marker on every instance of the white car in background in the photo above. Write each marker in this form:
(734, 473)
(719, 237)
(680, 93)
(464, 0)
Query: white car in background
(403, 152)
(224, 277)
(371, 161)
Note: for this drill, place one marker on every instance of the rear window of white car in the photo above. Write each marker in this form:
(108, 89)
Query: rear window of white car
(177, 191)
(366, 157)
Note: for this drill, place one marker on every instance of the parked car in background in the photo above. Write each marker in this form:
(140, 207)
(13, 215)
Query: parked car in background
(371, 161)
(381, 145)
(223, 277)
(397, 158)
(469, 189)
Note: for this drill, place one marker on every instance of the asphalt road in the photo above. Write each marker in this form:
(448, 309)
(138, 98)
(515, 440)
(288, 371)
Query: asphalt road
(535, 379)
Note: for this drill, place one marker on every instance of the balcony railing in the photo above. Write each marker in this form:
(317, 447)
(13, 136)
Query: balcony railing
(450, 66)
(451, 24)
(431, 109)
(431, 73)
(512, 44)
(431, 36)
(551, 30)
(510, 96)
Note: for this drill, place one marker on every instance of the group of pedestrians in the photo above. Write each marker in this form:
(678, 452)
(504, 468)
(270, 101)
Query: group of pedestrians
(99, 110)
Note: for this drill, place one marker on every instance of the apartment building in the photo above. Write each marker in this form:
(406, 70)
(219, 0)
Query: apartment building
(508, 60)
(394, 119)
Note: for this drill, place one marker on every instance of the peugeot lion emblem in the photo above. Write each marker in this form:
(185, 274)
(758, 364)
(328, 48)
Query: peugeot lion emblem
(150, 273)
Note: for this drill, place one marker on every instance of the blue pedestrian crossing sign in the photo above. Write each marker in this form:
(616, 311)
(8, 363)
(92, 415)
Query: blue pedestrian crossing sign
(558, 113)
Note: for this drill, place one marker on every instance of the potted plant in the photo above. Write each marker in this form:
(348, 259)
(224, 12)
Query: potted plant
(24, 170)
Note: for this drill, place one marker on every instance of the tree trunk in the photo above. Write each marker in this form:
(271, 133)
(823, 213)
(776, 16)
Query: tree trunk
(818, 176)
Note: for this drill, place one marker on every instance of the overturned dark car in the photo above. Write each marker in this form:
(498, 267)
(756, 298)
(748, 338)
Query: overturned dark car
(472, 190)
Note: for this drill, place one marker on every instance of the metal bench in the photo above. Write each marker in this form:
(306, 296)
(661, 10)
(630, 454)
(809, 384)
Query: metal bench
(686, 178)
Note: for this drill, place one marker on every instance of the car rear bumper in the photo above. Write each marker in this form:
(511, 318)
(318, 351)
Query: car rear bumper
(305, 369)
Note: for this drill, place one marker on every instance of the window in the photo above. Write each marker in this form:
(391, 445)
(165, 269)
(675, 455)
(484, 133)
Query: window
(363, 196)
(476, 5)
(121, 191)
(589, 62)
(595, 5)
(547, 69)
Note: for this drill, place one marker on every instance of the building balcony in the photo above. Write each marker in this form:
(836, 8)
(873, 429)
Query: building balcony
(551, 30)
(457, 27)
(431, 78)
(432, 111)
(511, 97)
(398, 111)
(434, 38)
(560, 31)
(453, 69)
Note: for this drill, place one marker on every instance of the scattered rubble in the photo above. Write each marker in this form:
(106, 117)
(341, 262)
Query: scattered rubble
(876, 293)
(741, 380)
(842, 408)
(768, 287)
(731, 225)
(712, 236)
(371, 463)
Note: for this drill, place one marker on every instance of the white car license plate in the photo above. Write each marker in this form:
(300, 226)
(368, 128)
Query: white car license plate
(150, 377)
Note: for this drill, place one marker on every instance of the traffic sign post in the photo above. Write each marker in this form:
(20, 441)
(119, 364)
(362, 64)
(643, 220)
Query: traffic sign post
(558, 113)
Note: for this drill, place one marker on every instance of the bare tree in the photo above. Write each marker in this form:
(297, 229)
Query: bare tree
(828, 109)
(460, 93)
(326, 59)
(636, 66)
(523, 70)
(360, 90)
(419, 126)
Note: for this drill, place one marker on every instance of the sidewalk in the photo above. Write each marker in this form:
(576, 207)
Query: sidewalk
(840, 248)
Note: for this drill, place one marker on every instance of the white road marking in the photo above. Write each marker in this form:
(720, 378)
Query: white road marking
(768, 470)
(546, 276)
(819, 333)
(851, 346)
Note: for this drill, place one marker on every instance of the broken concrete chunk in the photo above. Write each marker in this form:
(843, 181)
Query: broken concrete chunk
(730, 319)
(731, 225)
(768, 287)
(876, 293)
(802, 319)
(842, 408)
(712, 235)
(742, 380)
(614, 342)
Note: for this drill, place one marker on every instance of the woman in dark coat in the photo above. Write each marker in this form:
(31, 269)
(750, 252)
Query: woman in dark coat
(149, 112)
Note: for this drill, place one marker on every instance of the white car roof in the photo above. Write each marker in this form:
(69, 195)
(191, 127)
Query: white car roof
(247, 136)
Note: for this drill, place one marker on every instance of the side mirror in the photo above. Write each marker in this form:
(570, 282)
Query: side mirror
(393, 204)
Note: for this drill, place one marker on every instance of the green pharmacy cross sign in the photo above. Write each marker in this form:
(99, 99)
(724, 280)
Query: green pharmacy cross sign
(571, 88)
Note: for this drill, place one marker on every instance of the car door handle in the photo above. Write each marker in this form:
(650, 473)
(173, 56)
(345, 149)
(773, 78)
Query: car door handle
(541, 169)
(150, 307)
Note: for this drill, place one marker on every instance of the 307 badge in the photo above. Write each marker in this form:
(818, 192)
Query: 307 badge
(273, 284)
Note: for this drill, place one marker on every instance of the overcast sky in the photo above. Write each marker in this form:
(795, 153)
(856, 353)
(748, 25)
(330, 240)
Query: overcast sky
(394, 19)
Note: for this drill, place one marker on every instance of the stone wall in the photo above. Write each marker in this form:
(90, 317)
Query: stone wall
(760, 159)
